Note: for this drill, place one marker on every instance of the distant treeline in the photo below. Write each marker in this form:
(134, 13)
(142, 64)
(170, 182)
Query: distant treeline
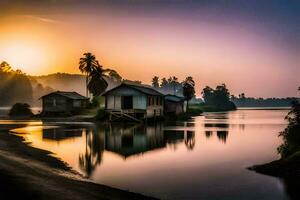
(14, 86)
(17, 87)
(242, 101)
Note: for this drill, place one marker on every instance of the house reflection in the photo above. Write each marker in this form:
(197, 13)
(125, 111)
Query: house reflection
(123, 139)
(134, 140)
(61, 133)
(222, 135)
(129, 140)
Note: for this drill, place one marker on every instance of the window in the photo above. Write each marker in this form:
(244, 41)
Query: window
(157, 100)
(54, 102)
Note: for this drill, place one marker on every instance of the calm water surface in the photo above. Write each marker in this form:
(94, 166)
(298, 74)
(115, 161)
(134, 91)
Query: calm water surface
(205, 158)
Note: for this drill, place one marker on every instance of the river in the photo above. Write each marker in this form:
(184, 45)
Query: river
(204, 158)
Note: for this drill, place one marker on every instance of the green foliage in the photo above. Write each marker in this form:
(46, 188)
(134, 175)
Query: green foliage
(14, 86)
(102, 114)
(243, 101)
(291, 134)
(97, 77)
(170, 85)
(97, 84)
(217, 99)
(95, 81)
(95, 102)
(189, 88)
(20, 109)
(155, 82)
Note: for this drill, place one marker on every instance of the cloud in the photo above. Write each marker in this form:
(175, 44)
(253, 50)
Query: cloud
(42, 19)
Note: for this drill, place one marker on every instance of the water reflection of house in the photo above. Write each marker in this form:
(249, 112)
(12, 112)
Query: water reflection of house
(61, 133)
(140, 139)
(134, 140)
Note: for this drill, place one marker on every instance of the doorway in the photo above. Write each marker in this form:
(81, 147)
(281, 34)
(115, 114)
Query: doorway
(127, 102)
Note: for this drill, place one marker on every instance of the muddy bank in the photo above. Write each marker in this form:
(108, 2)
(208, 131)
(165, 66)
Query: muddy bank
(288, 170)
(30, 173)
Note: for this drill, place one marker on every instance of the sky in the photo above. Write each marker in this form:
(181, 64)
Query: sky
(252, 46)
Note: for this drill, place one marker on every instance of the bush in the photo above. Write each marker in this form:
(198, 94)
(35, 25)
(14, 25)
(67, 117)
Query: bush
(102, 114)
(95, 102)
(20, 109)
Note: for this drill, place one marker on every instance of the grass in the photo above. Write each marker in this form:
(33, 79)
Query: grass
(206, 108)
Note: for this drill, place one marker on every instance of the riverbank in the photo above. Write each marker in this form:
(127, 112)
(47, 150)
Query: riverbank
(31, 173)
(288, 170)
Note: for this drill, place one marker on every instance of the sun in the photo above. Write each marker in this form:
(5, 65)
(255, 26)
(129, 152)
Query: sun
(24, 56)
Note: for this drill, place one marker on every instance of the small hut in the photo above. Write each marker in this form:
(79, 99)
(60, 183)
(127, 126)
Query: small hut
(134, 100)
(63, 102)
(174, 104)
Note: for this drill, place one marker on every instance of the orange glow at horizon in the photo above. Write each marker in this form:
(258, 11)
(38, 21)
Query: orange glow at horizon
(140, 48)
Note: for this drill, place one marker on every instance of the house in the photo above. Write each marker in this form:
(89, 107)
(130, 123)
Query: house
(174, 104)
(136, 100)
(63, 102)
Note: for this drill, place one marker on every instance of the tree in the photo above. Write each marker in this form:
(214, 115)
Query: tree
(164, 83)
(114, 75)
(290, 135)
(188, 89)
(86, 65)
(208, 95)
(155, 82)
(5, 67)
(218, 98)
(20, 109)
(97, 83)
(221, 95)
(174, 84)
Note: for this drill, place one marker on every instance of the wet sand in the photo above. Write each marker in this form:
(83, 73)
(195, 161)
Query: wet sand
(30, 173)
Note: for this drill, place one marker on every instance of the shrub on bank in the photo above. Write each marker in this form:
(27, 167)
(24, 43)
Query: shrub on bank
(102, 115)
(20, 110)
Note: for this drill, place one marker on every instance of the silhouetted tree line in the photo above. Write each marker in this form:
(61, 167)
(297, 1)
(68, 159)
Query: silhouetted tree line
(168, 86)
(219, 97)
(171, 85)
(242, 101)
(15, 86)
(291, 134)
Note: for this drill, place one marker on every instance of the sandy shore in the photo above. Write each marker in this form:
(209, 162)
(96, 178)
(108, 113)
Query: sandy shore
(30, 173)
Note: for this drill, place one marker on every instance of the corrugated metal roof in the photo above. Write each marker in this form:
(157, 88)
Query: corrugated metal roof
(70, 95)
(174, 98)
(141, 88)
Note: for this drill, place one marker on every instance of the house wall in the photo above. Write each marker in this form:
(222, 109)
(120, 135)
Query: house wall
(55, 103)
(155, 106)
(174, 107)
(58, 103)
(114, 99)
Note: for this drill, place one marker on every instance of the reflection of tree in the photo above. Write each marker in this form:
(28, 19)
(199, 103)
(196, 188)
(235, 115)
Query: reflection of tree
(222, 135)
(94, 148)
(190, 140)
(208, 134)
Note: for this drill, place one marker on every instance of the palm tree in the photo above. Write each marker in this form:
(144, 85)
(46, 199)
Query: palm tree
(174, 83)
(155, 82)
(97, 83)
(86, 65)
(188, 89)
